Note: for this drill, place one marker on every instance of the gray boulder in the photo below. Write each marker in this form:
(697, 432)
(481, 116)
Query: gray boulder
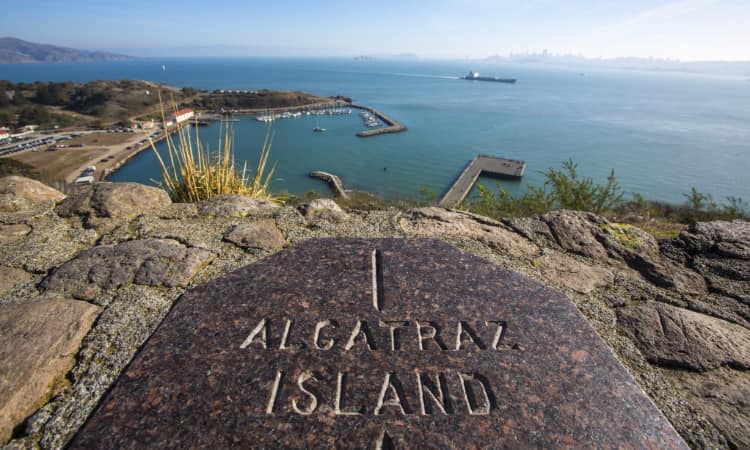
(148, 262)
(19, 193)
(261, 235)
(113, 200)
(323, 209)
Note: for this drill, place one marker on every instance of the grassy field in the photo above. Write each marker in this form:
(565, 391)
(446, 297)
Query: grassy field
(56, 165)
(102, 139)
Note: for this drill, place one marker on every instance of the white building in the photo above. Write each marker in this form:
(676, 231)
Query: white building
(181, 116)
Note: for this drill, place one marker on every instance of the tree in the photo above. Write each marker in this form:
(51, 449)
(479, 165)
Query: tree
(37, 115)
(51, 94)
(6, 119)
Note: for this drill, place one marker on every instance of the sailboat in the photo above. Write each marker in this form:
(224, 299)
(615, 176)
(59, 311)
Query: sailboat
(318, 128)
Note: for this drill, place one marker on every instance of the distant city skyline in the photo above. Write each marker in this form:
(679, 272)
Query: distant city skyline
(686, 30)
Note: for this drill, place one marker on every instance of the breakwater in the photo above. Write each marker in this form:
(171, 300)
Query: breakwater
(393, 126)
(335, 182)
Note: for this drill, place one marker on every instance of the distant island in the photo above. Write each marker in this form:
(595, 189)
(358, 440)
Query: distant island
(17, 51)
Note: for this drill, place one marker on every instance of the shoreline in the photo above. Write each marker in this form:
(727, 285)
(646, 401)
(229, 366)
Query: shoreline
(202, 117)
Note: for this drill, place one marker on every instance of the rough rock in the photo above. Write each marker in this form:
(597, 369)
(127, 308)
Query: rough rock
(730, 239)
(624, 239)
(234, 205)
(10, 277)
(576, 232)
(113, 200)
(13, 233)
(323, 209)
(18, 193)
(533, 229)
(148, 262)
(38, 344)
(567, 271)
(679, 338)
(431, 221)
(724, 397)
(120, 330)
(260, 235)
(51, 242)
(610, 243)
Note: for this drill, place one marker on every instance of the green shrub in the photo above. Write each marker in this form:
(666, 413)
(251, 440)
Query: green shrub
(562, 188)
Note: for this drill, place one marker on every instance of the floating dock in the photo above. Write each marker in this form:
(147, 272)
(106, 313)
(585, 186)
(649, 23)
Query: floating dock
(481, 164)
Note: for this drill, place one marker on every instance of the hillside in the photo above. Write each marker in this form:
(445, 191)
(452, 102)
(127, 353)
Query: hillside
(104, 102)
(15, 51)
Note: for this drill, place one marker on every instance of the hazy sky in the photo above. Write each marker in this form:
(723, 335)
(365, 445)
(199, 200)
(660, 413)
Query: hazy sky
(681, 29)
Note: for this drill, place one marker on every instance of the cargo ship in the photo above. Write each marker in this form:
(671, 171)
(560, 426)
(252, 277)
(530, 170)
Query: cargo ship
(474, 76)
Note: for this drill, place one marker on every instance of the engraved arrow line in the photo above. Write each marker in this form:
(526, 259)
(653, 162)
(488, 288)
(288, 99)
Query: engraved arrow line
(376, 259)
(384, 442)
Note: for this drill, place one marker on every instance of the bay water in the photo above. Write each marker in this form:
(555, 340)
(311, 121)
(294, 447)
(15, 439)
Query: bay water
(662, 132)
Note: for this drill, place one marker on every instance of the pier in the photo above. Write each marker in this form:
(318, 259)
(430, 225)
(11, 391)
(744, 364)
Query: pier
(481, 164)
(393, 126)
(335, 182)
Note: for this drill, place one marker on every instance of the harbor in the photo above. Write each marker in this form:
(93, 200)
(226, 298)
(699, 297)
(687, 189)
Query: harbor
(330, 111)
(481, 165)
(376, 122)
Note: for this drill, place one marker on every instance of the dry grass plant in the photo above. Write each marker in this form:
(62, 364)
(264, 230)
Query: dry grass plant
(192, 172)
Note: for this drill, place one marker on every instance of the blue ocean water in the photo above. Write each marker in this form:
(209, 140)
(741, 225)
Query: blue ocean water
(662, 132)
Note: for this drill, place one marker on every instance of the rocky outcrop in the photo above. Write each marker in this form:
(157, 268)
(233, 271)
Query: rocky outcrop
(19, 194)
(38, 343)
(676, 312)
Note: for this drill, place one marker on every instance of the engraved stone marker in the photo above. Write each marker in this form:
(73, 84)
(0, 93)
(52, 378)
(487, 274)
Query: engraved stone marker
(375, 344)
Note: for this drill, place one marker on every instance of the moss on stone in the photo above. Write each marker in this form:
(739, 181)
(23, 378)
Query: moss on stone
(623, 234)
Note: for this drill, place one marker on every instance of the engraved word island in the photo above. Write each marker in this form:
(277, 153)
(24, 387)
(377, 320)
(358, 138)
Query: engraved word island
(388, 343)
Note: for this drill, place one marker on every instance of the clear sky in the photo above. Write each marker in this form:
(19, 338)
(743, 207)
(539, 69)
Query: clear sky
(679, 29)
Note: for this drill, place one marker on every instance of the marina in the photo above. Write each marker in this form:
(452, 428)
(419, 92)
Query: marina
(481, 165)
(333, 111)
(372, 116)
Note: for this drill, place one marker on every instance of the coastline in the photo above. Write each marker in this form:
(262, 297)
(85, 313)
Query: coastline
(392, 127)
